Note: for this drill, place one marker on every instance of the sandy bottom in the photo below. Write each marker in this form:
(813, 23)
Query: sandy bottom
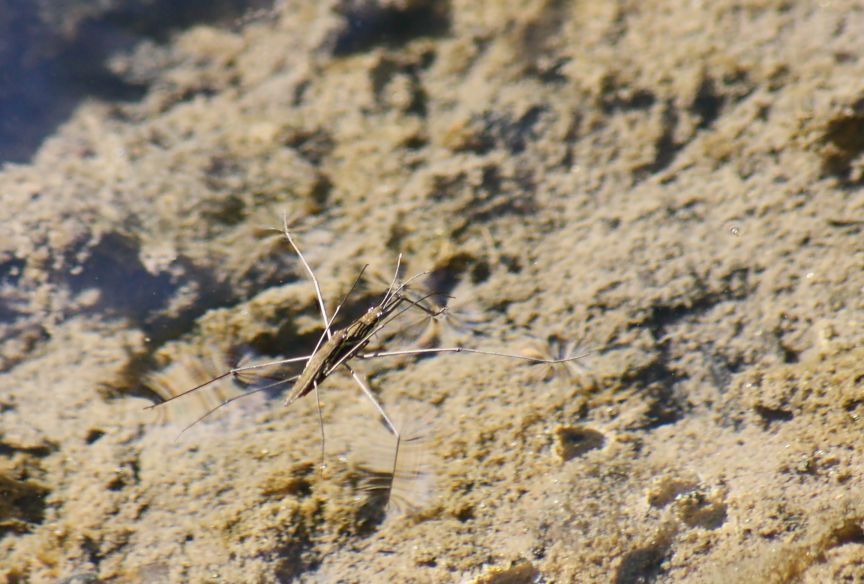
(677, 188)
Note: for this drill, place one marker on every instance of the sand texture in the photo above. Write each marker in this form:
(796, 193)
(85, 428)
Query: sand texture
(676, 186)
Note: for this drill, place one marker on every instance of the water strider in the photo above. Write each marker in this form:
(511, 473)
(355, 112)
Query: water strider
(337, 348)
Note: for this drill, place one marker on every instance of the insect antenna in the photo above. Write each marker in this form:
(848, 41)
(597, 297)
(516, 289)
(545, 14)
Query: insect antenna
(412, 303)
(390, 289)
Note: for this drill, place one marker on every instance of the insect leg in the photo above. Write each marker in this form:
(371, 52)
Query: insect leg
(467, 350)
(320, 424)
(387, 420)
(321, 304)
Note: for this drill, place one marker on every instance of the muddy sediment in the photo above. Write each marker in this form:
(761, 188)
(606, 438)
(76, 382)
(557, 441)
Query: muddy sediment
(676, 187)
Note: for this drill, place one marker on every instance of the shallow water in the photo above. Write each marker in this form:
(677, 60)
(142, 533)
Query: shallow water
(687, 207)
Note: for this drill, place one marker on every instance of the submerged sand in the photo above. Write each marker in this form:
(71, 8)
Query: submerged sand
(674, 185)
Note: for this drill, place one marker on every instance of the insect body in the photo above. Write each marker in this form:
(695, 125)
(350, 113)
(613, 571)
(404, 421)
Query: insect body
(338, 349)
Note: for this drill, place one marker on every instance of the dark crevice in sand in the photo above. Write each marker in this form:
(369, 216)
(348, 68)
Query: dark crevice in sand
(55, 54)
(370, 24)
(642, 565)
